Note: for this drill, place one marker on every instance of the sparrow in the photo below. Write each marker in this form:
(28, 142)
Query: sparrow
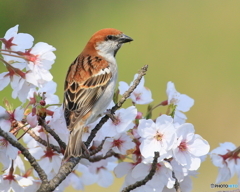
(90, 84)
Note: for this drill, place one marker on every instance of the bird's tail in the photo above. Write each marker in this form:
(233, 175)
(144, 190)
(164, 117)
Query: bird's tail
(75, 144)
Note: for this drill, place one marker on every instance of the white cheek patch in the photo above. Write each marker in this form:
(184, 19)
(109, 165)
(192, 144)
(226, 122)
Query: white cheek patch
(106, 49)
(103, 46)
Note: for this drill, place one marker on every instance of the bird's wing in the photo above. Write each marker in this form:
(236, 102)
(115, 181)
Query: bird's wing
(85, 83)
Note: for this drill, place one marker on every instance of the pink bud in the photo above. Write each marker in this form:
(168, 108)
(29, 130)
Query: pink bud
(164, 103)
(42, 102)
(139, 115)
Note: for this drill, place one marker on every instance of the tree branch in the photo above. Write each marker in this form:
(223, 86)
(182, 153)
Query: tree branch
(147, 178)
(97, 158)
(68, 167)
(49, 130)
(42, 175)
(40, 140)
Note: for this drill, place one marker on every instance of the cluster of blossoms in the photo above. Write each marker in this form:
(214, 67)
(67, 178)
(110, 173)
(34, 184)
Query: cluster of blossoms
(127, 145)
(226, 158)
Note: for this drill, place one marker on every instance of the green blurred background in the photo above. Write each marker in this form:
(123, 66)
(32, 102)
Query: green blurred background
(195, 44)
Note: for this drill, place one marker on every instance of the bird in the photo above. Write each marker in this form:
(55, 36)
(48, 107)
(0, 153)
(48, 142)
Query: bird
(89, 85)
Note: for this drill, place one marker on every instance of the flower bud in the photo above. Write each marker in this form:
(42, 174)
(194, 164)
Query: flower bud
(42, 102)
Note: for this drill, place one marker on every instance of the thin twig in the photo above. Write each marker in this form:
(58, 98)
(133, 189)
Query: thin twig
(23, 134)
(97, 158)
(176, 185)
(147, 178)
(97, 149)
(40, 140)
(49, 130)
(68, 167)
(42, 175)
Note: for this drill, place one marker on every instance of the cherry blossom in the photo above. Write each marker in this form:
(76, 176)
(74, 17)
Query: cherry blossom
(5, 147)
(49, 160)
(183, 102)
(163, 174)
(47, 91)
(31, 143)
(41, 58)
(58, 124)
(141, 95)
(100, 172)
(123, 168)
(15, 183)
(17, 164)
(16, 42)
(226, 161)
(16, 78)
(120, 143)
(157, 137)
(189, 147)
(7, 117)
(124, 122)
(20, 88)
(81, 176)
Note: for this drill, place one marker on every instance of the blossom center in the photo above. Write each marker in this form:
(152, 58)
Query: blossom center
(9, 177)
(99, 168)
(117, 143)
(183, 146)
(159, 136)
(174, 100)
(137, 96)
(29, 56)
(32, 58)
(49, 153)
(3, 142)
(11, 116)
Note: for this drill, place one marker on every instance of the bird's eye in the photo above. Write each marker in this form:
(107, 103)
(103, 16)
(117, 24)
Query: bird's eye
(109, 37)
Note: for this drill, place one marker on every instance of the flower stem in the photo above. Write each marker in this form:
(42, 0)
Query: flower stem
(12, 55)
(24, 132)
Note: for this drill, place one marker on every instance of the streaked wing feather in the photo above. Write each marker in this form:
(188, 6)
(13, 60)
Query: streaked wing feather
(84, 87)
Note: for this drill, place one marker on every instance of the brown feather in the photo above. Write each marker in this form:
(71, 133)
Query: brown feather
(83, 88)
(75, 144)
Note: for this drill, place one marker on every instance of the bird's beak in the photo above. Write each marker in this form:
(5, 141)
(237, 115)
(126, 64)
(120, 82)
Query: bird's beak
(124, 39)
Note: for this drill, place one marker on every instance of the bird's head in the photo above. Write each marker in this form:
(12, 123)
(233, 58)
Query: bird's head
(107, 42)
